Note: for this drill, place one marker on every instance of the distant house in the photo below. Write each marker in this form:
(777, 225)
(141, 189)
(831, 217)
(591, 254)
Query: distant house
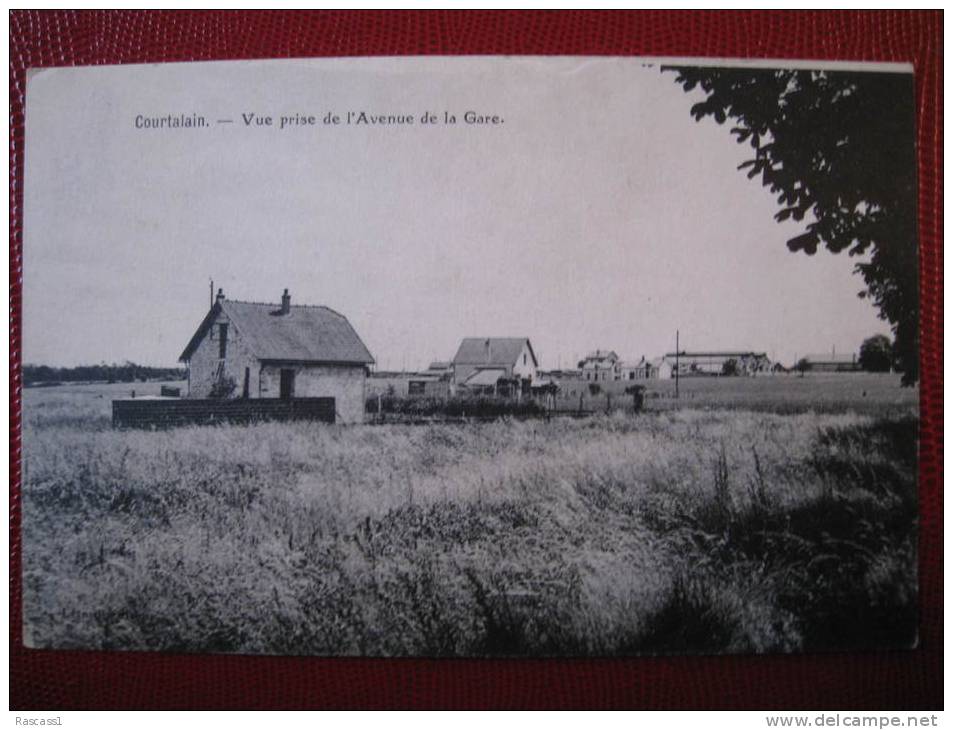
(440, 368)
(256, 350)
(494, 365)
(645, 369)
(562, 374)
(601, 366)
(434, 382)
(727, 362)
(829, 363)
(661, 368)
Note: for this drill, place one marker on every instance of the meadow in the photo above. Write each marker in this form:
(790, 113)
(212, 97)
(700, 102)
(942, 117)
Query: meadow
(873, 393)
(688, 529)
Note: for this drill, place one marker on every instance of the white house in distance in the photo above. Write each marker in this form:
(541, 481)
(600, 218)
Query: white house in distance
(645, 369)
(259, 350)
(493, 365)
(601, 366)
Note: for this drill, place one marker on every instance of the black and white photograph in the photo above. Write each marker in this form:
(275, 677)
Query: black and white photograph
(469, 357)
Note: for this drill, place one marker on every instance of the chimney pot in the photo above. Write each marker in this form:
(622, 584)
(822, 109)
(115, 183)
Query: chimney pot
(220, 297)
(286, 303)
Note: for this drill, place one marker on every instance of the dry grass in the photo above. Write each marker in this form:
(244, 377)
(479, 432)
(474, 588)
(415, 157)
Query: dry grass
(666, 532)
(870, 393)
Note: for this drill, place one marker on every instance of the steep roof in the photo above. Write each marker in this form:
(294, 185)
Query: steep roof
(602, 355)
(502, 351)
(305, 334)
(485, 376)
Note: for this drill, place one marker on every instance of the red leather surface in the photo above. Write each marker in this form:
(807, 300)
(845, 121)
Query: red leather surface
(913, 679)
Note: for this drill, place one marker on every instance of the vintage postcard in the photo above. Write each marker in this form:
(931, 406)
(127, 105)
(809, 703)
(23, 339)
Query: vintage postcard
(470, 357)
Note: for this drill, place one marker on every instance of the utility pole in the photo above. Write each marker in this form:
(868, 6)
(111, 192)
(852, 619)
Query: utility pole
(211, 287)
(676, 364)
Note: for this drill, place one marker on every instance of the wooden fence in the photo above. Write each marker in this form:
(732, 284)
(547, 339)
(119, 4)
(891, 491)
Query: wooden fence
(148, 413)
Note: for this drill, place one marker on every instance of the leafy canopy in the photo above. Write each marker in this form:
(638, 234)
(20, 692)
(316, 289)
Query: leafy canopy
(876, 354)
(837, 149)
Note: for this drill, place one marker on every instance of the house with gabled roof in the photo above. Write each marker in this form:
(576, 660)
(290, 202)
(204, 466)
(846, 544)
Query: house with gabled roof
(489, 364)
(600, 365)
(645, 369)
(260, 350)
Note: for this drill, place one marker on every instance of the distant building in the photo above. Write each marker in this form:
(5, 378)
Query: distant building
(434, 382)
(728, 362)
(494, 365)
(645, 369)
(441, 368)
(601, 366)
(257, 350)
(829, 363)
(557, 375)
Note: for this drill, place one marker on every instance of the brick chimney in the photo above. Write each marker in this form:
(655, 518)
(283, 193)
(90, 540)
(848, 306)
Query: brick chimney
(220, 297)
(286, 303)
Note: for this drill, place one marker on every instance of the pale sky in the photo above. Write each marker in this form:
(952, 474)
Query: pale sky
(597, 215)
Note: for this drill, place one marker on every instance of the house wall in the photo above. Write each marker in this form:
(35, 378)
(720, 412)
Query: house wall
(347, 384)
(641, 371)
(395, 385)
(203, 365)
(524, 366)
(595, 372)
(399, 386)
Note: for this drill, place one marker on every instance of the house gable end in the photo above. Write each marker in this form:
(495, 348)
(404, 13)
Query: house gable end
(202, 330)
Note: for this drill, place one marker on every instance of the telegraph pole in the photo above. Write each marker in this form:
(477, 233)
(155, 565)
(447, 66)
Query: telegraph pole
(676, 364)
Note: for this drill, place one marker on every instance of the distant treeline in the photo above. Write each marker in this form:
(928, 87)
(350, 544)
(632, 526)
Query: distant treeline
(126, 373)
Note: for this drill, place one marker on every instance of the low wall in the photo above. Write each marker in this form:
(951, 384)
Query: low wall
(146, 413)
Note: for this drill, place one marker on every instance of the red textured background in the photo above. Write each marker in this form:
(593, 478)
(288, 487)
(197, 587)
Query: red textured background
(88, 680)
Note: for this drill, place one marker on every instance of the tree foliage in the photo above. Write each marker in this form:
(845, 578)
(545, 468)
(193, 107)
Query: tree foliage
(128, 372)
(876, 354)
(837, 149)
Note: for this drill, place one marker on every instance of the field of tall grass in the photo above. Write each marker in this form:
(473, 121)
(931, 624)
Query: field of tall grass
(872, 393)
(673, 531)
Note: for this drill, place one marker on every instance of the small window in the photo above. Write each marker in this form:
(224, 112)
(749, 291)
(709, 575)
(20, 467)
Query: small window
(222, 340)
(524, 358)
